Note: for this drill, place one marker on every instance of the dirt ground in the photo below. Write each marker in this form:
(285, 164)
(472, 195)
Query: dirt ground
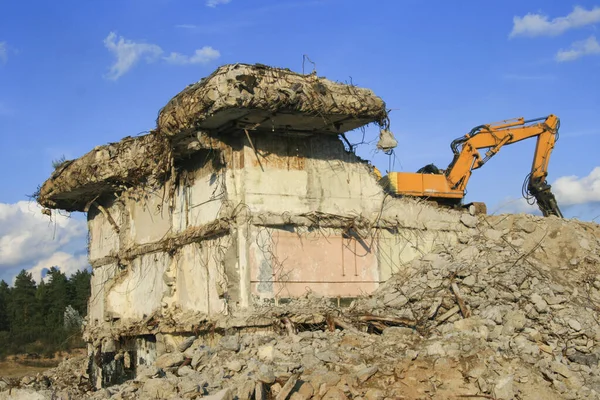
(18, 366)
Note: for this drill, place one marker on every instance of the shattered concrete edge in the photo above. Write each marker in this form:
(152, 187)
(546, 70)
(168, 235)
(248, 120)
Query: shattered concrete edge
(242, 89)
(199, 117)
(105, 169)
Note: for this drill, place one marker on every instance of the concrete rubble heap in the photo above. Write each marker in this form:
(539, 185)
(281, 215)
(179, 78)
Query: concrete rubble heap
(508, 311)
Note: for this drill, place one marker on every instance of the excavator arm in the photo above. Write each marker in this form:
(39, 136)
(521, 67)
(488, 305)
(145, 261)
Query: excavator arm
(493, 137)
(448, 186)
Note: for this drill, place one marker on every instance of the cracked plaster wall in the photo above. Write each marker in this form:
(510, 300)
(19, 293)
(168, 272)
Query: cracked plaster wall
(139, 270)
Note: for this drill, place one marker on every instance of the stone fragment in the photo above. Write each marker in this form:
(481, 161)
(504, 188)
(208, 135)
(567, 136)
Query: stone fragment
(374, 394)
(436, 349)
(188, 387)
(468, 253)
(395, 300)
(26, 380)
(553, 300)
(327, 356)
(560, 369)
(539, 303)
(260, 391)
(364, 374)
(288, 387)
(468, 220)
(517, 242)
(309, 361)
(200, 356)
(591, 360)
(335, 394)
(397, 331)
(514, 321)
(266, 353)
(574, 324)
(235, 366)
(493, 234)
(504, 388)
(185, 370)
(526, 226)
(559, 386)
(306, 390)
(26, 394)
(265, 374)
(224, 394)
(157, 388)
(469, 280)
(231, 342)
(246, 391)
(275, 389)
(183, 346)
(169, 360)
(329, 379)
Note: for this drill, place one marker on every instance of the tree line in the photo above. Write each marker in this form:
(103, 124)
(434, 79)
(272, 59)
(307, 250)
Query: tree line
(43, 318)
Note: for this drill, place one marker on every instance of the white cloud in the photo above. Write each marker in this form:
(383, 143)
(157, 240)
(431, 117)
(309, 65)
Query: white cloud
(520, 77)
(540, 25)
(186, 26)
(214, 3)
(67, 263)
(582, 48)
(128, 53)
(200, 56)
(27, 236)
(3, 52)
(571, 190)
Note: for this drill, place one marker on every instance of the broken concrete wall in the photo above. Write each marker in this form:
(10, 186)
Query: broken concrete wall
(298, 215)
(243, 194)
(200, 281)
(300, 175)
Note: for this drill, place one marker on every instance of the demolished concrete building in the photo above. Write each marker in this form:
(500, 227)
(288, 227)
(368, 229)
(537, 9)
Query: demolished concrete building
(244, 194)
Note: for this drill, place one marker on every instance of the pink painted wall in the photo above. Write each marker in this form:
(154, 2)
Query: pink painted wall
(285, 264)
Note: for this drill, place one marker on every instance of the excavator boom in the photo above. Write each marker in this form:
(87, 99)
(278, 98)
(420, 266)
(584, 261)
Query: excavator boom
(449, 185)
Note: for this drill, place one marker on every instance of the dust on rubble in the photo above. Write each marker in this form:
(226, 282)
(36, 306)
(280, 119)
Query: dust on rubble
(509, 312)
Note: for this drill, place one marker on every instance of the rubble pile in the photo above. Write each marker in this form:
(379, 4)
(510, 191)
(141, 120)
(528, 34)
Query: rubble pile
(508, 312)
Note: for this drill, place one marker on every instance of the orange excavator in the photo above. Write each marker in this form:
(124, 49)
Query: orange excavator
(448, 187)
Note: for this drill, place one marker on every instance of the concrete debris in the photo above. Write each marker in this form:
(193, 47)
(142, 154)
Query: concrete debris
(272, 98)
(519, 342)
(387, 141)
(234, 99)
(75, 184)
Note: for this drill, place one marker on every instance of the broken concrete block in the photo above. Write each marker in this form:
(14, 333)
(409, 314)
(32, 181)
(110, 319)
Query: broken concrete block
(169, 360)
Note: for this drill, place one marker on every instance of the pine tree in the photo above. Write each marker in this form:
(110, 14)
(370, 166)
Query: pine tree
(4, 299)
(56, 297)
(24, 309)
(79, 284)
(32, 317)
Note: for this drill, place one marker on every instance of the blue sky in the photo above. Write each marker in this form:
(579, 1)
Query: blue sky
(74, 75)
